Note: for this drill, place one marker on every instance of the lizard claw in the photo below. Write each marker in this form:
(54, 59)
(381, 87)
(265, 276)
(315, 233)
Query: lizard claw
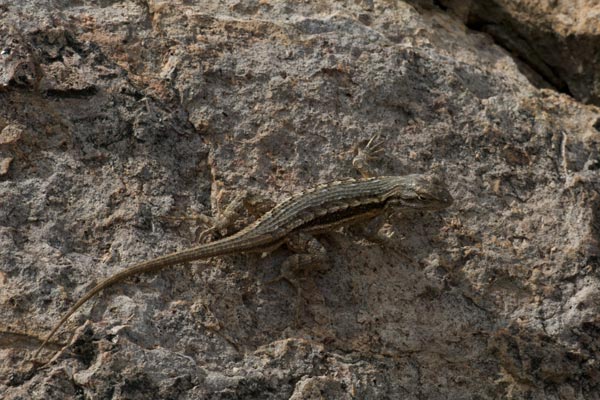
(373, 147)
(201, 238)
(371, 151)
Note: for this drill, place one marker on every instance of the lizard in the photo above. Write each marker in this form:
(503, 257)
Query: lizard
(294, 221)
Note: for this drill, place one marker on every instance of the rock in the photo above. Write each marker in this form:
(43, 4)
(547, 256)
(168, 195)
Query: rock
(4, 165)
(558, 41)
(138, 116)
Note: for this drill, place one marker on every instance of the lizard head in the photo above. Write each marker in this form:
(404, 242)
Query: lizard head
(421, 192)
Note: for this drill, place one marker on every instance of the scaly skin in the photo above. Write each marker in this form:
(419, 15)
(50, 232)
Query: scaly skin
(315, 210)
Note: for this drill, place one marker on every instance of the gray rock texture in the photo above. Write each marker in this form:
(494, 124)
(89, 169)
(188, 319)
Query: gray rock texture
(122, 121)
(555, 41)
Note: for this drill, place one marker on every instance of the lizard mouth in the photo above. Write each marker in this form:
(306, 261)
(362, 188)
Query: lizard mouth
(420, 204)
(442, 201)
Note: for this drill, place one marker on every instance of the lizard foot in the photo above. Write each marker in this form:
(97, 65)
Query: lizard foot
(310, 255)
(366, 153)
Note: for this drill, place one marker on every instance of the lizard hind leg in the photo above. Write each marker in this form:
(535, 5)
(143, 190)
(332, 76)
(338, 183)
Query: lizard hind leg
(237, 213)
(224, 219)
(309, 255)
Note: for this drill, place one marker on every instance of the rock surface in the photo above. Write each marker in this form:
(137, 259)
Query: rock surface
(119, 119)
(557, 41)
